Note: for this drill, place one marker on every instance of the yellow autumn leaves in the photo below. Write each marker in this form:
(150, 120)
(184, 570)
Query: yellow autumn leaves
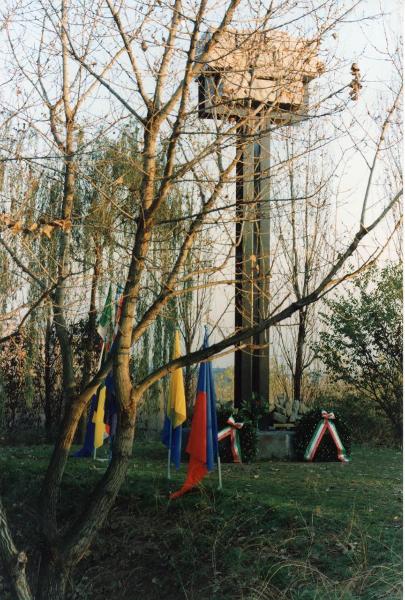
(41, 227)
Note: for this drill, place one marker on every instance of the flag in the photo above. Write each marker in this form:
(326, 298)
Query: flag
(105, 322)
(88, 445)
(95, 425)
(102, 421)
(202, 443)
(176, 410)
(110, 407)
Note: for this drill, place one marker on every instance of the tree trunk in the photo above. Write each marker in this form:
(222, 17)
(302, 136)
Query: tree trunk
(47, 382)
(299, 357)
(53, 578)
(61, 325)
(188, 388)
(81, 430)
(14, 561)
(188, 381)
(90, 339)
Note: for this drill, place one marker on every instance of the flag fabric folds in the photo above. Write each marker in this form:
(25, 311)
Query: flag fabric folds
(96, 427)
(88, 445)
(102, 419)
(176, 410)
(202, 443)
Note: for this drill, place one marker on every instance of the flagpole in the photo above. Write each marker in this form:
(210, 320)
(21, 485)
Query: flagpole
(218, 457)
(219, 473)
(100, 360)
(169, 451)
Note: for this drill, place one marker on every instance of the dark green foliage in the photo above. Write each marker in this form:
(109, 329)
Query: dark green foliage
(254, 409)
(362, 341)
(20, 388)
(327, 451)
(81, 337)
(250, 414)
(367, 424)
(248, 441)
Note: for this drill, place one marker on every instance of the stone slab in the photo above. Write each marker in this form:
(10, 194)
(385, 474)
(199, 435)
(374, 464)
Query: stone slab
(271, 444)
(276, 444)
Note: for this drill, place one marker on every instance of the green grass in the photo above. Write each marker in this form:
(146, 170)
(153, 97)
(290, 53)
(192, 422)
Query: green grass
(278, 530)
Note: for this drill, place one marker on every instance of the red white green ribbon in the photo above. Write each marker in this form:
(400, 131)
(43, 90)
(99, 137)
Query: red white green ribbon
(324, 425)
(233, 433)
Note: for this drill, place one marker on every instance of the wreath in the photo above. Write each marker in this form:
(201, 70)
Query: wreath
(326, 450)
(247, 436)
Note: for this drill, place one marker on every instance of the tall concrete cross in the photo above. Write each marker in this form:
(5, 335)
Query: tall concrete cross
(257, 79)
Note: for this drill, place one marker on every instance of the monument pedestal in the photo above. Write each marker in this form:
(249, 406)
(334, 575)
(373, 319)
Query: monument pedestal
(276, 444)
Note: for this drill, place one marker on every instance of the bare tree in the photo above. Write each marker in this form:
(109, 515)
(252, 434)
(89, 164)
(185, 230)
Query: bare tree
(304, 240)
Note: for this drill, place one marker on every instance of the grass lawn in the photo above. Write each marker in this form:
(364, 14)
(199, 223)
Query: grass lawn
(278, 530)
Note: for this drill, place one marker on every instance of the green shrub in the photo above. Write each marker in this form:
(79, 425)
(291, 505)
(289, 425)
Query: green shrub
(367, 424)
(361, 344)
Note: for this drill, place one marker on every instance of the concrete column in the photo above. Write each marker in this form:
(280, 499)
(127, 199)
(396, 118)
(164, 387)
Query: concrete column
(252, 266)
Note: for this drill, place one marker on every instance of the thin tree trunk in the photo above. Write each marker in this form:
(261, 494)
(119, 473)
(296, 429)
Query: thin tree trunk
(188, 383)
(47, 381)
(299, 357)
(60, 292)
(65, 239)
(90, 340)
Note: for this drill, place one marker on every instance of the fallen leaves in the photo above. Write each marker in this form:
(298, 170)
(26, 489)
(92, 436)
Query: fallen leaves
(347, 548)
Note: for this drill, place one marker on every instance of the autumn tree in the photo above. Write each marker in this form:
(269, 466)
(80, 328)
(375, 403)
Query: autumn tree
(145, 59)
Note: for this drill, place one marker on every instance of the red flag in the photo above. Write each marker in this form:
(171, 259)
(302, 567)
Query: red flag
(197, 468)
(202, 445)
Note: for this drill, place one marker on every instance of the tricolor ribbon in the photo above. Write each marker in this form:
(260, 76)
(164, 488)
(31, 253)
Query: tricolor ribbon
(326, 423)
(232, 432)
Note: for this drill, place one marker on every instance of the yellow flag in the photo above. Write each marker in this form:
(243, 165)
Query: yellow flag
(98, 419)
(176, 407)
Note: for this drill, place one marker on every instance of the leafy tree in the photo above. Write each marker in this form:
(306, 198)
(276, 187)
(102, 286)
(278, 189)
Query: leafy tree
(362, 342)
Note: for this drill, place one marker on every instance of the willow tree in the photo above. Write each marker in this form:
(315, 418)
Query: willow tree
(146, 58)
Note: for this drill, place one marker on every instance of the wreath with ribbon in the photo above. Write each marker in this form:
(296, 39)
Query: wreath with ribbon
(231, 452)
(322, 436)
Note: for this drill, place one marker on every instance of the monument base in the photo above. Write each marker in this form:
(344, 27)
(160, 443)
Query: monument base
(276, 444)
